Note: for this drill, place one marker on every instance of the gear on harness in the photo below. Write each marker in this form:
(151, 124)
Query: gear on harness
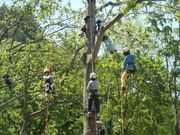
(128, 68)
(48, 76)
(92, 87)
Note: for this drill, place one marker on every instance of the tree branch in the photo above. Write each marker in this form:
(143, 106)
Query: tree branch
(66, 72)
(109, 25)
(9, 101)
(50, 106)
(109, 4)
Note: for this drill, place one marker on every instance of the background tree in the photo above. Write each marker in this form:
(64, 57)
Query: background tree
(18, 24)
(147, 28)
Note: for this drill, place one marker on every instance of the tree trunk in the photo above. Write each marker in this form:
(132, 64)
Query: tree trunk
(177, 129)
(24, 128)
(176, 109)
(89, 123)
(26, 118)
(176, 98)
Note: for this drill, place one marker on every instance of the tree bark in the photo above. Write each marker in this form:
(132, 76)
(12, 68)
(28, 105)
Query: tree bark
(24, 129)
(176, 98)
(89, 123)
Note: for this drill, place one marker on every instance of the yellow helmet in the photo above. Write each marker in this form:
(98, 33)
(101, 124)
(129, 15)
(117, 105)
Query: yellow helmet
(46, 70)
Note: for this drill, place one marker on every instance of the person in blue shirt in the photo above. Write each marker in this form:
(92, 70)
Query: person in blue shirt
(128, 68)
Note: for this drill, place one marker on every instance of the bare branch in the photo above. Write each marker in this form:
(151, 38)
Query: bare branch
(109, 4)
(70, 65)
(50, 106)
(109, 25)
(119, 16)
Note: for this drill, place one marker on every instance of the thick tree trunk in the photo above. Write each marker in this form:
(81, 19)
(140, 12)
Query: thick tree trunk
(89, 123)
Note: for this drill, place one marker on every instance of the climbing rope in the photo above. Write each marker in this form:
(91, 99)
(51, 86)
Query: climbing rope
(50, 68)
(91, 37)
(46, 118)
(122, 117)
(50, 58)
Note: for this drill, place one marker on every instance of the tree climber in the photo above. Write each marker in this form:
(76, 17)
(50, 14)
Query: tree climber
(92, 88)
(83, 31)
(84, 28)
(100, 129)
(7, 81)
(109, 45)
(48, 78)
(99, 25)
(128, 68)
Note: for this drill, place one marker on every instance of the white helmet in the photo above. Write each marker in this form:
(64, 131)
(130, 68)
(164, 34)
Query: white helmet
(99, 122)
(46, 70)
(125, 49)
(93, 75)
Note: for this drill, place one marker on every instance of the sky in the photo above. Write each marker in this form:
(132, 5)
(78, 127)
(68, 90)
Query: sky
(75, 3)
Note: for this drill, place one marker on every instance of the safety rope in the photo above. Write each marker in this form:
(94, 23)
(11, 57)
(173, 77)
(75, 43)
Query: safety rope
(10, 61)
(109, 92)
(49, 64)
(46, 118)
(50, 58)
(122, 117)
(91, 38)
(123, 103)
(95, 115)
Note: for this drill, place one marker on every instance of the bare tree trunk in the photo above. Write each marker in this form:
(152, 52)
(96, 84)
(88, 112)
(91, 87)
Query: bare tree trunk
(24, 129)
(89, 123)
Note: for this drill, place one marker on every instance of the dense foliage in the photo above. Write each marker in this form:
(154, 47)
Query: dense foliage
(35, 34)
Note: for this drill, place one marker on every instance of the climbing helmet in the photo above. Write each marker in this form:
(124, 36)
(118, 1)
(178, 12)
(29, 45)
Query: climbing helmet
(125, 49)
(93, 75)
